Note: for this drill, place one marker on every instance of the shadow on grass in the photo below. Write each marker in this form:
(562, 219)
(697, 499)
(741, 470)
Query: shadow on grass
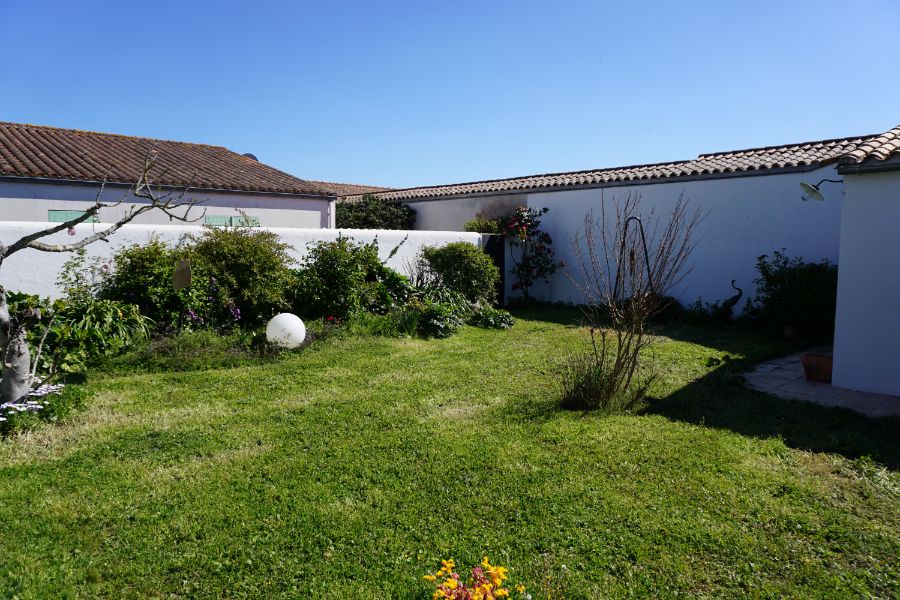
(722, 400)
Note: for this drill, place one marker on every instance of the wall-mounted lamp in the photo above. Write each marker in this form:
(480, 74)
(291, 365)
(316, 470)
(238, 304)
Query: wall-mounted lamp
(812, 192)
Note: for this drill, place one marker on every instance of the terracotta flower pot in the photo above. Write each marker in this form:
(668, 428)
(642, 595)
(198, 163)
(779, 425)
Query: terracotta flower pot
(817, 366)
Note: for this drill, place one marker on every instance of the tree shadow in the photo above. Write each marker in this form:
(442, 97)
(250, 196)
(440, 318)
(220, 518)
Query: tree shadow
(722, 400)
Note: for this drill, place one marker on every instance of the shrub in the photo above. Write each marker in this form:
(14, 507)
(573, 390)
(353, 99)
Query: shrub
(249, 273)
(534, 261)
(142, 275)
(71, 334)
(371, 212)
(488, 317)
(589, 382)
(438, 320)
(341, 278)
(464, 268)
(482, 225)
(791, 293)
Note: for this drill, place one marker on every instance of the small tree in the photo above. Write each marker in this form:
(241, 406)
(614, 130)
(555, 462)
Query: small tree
(627, 263)
(18, 374)
(532, 249)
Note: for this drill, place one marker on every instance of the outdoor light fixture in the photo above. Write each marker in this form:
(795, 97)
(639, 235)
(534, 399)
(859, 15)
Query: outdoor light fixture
(286, 330)
(812, 192)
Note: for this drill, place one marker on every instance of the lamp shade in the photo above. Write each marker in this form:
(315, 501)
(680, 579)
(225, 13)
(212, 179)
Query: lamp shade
(286, 330)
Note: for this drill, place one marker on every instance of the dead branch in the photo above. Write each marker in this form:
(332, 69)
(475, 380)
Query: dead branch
(174, 203)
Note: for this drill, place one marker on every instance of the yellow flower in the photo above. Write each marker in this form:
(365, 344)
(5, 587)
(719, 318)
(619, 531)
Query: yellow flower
(501, 593)
(451, 583)
(429, 578)
(439, 594)
(520, 588)
(448, 564)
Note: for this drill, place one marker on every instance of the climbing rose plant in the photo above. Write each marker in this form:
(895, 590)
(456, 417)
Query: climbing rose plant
(535, 261)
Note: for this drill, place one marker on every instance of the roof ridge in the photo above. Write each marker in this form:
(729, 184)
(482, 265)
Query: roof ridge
(699, 157)
(556, 174)
(794, 145)
(345, 183)
(104, 133)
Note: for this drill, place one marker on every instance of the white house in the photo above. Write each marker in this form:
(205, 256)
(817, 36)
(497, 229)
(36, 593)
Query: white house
(867, 326)
(751, 200)
(50, 174)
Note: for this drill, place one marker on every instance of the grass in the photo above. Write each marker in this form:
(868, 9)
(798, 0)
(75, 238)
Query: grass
(349, 469)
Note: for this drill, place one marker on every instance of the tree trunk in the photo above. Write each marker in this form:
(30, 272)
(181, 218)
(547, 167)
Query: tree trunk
(16, 357)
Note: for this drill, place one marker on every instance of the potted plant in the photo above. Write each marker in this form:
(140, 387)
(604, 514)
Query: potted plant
(817, 366)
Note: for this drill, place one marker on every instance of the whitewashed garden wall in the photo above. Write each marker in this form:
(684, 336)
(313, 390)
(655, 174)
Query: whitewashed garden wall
(36, 272)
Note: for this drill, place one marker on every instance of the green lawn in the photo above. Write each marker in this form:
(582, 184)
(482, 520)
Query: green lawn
(350, 469)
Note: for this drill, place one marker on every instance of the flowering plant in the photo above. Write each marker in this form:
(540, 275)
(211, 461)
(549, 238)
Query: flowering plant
(535, 260)
(487, 582)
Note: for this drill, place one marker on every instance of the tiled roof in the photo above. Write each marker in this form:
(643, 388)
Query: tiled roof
(789, 156)
(881, 147)
(349, 189)
(67, 154)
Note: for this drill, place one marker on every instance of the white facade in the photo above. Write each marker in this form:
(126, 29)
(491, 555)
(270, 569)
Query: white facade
(36, 272)
(745, 216)
(867, 327)
(32, 201)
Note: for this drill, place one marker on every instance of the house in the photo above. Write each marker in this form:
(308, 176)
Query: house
(52, 174)
(867, 326)
(751, 200)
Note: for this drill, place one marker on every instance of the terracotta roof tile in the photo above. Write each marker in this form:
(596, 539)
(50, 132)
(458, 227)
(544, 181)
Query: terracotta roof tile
(789, 156)
(881, 147)
(52, 153)
(349, 189)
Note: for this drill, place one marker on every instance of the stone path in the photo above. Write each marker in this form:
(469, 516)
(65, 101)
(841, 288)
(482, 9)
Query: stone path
(784, 378)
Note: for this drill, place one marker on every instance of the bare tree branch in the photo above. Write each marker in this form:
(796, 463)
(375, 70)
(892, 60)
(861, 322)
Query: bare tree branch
(167, 203)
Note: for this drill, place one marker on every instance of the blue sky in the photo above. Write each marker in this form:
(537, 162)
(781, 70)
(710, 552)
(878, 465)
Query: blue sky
(415, 93)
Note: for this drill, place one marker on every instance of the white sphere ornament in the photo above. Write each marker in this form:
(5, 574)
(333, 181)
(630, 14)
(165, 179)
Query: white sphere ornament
(286, 330)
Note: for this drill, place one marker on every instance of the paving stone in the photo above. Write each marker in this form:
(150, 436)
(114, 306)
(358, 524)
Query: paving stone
(784, 378)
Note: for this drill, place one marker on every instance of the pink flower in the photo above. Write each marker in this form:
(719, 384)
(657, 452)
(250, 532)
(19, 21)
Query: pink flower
(71, 231)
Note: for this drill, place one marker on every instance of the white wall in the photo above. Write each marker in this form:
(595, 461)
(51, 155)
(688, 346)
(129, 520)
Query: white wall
(22, 201)
(745, 217)
(867, 327)
(36, 272)
(451, 215)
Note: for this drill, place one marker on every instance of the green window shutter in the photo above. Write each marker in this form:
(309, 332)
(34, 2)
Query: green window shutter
(61, 216)
(242, 221)
(217, 220)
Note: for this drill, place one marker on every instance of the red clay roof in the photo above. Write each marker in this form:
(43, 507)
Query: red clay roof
(789, 156)
(881, 147)
(349, 189)
(52, 153)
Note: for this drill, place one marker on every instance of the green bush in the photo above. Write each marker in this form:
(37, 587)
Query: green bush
(798, 295)
(464, 268)
(341, 278)
(240, 276)
(438, 320)
(488, 317)
(142, 275)
(248, 270)
(481, 225)
(72, 334)
(373, 213)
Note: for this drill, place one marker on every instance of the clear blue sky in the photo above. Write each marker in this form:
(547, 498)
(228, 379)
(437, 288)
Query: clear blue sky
(422, 92)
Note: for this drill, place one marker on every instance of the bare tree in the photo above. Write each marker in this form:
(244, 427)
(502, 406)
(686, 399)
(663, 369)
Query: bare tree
(626, 265)
(18, 374)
